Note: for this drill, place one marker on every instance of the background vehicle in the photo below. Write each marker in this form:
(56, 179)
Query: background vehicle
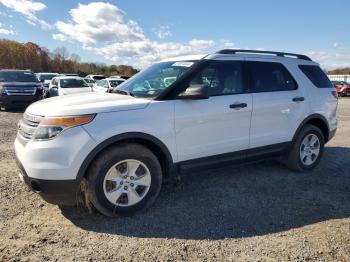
(18, 88)
(95, 77)
(45, 79)
(68, 74)
(120, 76)
(65, 85)
(89, 81)
(342, 87)
(229, 107)
(107, 85)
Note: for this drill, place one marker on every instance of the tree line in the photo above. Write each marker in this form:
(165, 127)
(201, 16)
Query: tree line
(15, 55)
(340, 71)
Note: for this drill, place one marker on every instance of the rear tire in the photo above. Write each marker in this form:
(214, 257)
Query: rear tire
(124, 179)
(307, 149)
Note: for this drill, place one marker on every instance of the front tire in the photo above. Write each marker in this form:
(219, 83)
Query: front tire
(124, 179)
(307, 149)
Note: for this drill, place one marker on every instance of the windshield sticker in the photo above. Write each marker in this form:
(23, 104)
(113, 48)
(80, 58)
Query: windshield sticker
(183, 64)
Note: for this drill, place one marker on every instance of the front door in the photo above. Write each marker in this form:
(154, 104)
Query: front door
(219, 124)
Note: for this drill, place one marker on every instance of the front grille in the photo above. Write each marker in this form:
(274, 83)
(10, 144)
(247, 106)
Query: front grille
(21, 91)
(28, 125)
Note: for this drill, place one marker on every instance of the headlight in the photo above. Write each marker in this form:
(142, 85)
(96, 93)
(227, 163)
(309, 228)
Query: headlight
(50, 127)
(2, 89)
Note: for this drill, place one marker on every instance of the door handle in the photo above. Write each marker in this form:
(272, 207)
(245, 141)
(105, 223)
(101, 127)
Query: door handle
(298, 99)
(238, 105)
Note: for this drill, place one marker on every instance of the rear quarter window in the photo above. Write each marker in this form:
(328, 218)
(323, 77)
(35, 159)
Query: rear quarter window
(316, 76)
(269, 77)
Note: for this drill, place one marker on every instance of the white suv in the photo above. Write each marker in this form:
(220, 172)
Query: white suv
(177, 115)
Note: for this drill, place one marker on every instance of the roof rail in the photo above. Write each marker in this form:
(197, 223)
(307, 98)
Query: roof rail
(235, 51)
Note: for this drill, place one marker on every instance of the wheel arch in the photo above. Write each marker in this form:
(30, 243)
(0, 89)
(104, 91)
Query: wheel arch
(317, 120)
(149, 141)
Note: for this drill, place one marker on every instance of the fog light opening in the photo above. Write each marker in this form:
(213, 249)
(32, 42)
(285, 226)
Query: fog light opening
(35, 186)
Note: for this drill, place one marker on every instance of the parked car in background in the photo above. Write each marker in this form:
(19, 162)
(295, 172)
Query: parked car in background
(89, 81)
(68, 74)
(18, 88)
(95, 77)
(107, 85)
(45, 78)
(342, 87)
(120, 76)
(120, 148)
(65, 85)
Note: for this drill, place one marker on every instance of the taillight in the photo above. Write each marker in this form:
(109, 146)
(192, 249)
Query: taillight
(335, 94)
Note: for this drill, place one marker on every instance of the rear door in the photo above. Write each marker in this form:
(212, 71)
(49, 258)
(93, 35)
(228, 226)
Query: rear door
(278, 103)
(219, 124)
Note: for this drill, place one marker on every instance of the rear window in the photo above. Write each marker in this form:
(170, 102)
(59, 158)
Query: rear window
(316, 76)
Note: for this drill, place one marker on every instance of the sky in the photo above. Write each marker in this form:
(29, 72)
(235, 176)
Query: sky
(142, 32)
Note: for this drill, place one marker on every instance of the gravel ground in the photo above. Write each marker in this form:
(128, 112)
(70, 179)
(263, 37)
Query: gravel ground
(257, 212)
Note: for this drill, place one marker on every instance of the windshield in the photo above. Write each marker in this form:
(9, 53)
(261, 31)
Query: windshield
(17, 76)
(73, 83)
(115, 83)
(155, 79)
(46, 77)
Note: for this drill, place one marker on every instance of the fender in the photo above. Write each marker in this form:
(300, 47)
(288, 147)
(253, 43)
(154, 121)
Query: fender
(307, 119)
(169, 164)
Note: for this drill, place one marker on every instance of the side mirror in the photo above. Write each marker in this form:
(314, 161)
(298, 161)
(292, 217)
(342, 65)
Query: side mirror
(195, 92)
(54, 87)
(42, 80)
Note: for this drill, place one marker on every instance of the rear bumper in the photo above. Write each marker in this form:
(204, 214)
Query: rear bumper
(17, 101)
(58, 192)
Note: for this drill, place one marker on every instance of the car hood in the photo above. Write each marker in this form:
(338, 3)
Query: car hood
(89, 103)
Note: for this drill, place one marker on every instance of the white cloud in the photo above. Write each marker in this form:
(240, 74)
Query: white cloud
(162, 31)
(59, 37)
(142, 53)
(226, 43)
(6, 31)
(201, 44)
(102, 28)
(99, 22)
(338, 45)
(28, 8)
(5, 14)
(330, 60)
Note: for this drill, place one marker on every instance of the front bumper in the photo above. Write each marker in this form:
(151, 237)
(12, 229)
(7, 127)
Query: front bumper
(58, 192)
(15, 101)
(50, 168)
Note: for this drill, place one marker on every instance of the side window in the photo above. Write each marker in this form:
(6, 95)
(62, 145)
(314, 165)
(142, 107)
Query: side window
(221, 78)
(270, 76)
(316, 76)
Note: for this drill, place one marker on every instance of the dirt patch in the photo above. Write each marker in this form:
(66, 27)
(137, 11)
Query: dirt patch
(255, 212)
